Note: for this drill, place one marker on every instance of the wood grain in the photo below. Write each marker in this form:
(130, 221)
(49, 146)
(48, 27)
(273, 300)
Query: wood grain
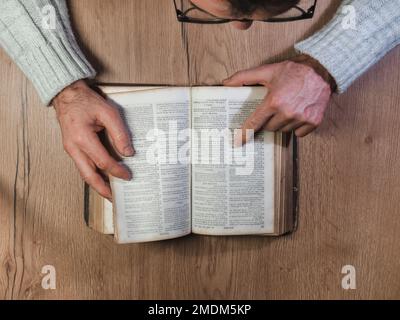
(349, 176)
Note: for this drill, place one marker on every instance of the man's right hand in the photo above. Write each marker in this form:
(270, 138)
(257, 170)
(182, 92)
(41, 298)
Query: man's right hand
(82, 113)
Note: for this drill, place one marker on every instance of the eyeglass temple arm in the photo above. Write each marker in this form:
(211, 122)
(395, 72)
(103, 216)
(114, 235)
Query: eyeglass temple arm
(176, 8)
(309, 10)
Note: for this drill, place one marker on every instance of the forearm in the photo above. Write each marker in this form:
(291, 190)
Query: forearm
(49, 57)
(347, 53)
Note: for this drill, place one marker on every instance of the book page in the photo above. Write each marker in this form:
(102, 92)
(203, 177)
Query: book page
(233, 192)
(111, 89)
(108, 223)
(155, 205)
(104, 219)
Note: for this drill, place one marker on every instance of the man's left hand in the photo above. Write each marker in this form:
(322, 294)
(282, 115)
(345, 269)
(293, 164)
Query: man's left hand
(296, 100)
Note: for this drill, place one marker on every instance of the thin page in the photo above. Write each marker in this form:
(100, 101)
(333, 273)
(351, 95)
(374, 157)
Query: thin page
(125, 89)
(108, 223)
(232, 188)
(107, 220)
(155, 205)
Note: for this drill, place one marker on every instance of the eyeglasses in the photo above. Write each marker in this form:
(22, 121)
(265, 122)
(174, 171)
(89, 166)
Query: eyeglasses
(189, 13)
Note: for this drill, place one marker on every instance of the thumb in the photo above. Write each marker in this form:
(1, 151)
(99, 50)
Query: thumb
(260, 75)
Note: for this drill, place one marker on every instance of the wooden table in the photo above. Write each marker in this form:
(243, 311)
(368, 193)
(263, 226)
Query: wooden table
(349, 175)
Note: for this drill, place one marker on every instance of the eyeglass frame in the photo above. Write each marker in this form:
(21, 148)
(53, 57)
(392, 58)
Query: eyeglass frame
(182, 16)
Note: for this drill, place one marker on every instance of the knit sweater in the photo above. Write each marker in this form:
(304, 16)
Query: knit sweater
(49, 57)
(349, 48)
(52, 60)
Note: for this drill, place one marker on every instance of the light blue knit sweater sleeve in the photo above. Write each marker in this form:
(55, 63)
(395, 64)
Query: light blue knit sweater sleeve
(37, 35)
(348, 50)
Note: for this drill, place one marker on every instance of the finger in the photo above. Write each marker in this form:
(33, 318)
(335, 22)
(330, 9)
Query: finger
(88, 173)
(277, 122)
(260, 75)
(117, 131)
(104, 175)
(305, 130)
(292, 126)
(102, 159)
(255, 122)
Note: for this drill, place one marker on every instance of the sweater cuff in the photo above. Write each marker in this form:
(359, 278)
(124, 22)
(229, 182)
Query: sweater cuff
(330, 49)
(53, 68)
(50, 58)
(347, 52)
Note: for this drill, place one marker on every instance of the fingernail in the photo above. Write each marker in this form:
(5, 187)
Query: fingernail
(128, 177)
(129, 151)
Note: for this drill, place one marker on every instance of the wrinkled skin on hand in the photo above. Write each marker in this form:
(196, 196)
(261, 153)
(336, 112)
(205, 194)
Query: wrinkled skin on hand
(82, 114)
(297, 98)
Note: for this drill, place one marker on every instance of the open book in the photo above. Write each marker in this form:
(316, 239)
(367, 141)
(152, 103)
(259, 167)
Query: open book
(188, 175)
